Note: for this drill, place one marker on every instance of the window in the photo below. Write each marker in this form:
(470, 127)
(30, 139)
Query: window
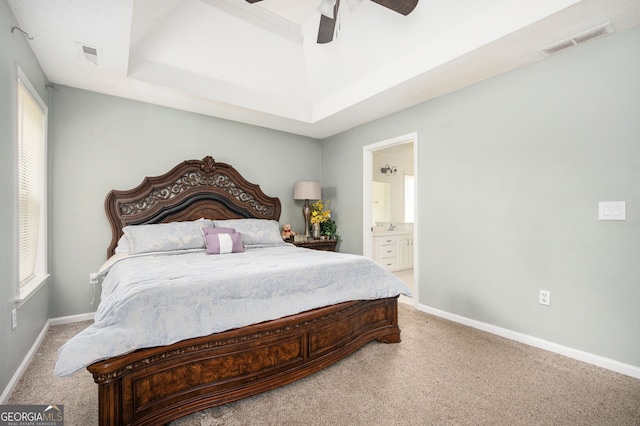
(32, 177)
(409, 198)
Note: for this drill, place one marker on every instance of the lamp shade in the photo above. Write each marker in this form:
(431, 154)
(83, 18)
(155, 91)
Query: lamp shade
(305, 190)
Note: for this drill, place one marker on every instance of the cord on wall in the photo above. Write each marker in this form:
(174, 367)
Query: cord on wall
(24, 33)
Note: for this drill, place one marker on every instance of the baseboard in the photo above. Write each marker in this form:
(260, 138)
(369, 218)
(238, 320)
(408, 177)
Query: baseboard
(609, 364)
(34, 348)
(71, 319)
(23, 365)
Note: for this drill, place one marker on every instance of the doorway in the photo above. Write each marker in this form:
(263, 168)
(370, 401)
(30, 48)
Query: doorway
(392, 212)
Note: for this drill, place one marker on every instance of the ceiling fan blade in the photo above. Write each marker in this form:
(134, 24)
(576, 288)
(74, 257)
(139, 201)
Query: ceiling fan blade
(253, 1)
(326, 29)
(328, 25)
(403, 7)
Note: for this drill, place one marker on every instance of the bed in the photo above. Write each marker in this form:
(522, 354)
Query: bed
(157, 383)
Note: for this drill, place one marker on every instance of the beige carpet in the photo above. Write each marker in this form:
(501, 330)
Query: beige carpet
(442, 373)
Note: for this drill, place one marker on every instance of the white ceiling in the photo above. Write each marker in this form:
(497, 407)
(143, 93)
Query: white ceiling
(260, 63)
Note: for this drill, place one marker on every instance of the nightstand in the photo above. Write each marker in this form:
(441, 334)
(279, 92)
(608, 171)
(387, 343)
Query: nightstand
(326, 245)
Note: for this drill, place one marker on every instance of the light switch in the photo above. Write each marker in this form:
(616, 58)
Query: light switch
(612, 210)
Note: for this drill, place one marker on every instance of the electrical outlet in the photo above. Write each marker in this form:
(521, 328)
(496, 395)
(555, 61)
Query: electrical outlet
(93, 278)
(545, 297)
(14, 319)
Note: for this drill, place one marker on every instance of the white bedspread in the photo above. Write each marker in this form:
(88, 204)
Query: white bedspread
(160, 299)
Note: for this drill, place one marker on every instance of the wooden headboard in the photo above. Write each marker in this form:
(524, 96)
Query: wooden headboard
(192, 190)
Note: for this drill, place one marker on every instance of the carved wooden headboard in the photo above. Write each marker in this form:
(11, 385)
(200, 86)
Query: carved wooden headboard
(192, 190)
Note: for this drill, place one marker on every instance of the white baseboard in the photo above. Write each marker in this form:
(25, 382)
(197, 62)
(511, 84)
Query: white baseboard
(34, 348)
(609, 364)
(23, 366)
(71, 319)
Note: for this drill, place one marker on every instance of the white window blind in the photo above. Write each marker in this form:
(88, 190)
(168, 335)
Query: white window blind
(31, 181)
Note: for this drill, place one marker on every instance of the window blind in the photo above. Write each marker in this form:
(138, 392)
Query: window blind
(31, 147)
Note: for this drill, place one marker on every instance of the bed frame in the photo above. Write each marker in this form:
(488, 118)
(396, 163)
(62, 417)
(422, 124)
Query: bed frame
(156, 385)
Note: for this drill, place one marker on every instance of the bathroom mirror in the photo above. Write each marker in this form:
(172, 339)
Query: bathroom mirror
(381, 198)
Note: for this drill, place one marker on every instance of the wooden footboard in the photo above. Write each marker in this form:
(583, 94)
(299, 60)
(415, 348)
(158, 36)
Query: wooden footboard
(156, 385)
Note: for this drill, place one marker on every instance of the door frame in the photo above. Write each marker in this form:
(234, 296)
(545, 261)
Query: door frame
(367, 206)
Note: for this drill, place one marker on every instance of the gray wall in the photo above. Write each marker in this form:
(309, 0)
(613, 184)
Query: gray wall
(100, 142)
(33, 315)
(511, 171)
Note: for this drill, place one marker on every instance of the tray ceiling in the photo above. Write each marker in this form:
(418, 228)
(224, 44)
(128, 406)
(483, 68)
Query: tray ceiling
(260, 63)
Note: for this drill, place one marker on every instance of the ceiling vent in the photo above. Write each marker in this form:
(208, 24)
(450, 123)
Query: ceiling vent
(577, 39)
(89, 53)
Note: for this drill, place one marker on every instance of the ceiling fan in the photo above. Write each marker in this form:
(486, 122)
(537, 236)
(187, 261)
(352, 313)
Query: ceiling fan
(329, 13)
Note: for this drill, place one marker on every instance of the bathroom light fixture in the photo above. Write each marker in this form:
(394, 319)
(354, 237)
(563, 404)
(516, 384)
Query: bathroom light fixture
(386, 170)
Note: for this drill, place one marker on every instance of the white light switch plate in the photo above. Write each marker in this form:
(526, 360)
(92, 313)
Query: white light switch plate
(612, 210)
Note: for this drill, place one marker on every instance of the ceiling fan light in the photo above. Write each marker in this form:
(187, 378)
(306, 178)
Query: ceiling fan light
(354, 4)
(326, 8)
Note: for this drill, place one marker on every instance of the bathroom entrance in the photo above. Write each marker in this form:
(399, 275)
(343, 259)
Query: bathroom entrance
(390, 207)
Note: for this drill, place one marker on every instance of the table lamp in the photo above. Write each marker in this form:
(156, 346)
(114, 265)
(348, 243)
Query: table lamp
(305, 190)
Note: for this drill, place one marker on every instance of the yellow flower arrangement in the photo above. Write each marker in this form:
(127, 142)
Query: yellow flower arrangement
(318, 212)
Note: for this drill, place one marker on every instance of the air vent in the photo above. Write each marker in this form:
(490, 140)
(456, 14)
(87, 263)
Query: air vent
(558, 47)
(89, 53)
(577, 39)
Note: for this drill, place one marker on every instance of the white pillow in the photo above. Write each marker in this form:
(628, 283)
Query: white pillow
(253, 231)
(123, 245)
(165, 236)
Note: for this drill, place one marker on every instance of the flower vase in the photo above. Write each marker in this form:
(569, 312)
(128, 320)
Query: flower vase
(316, 231)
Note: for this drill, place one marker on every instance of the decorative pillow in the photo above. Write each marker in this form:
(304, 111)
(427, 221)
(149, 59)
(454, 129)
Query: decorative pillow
(223, 242)
(165, 236)
(253, 231)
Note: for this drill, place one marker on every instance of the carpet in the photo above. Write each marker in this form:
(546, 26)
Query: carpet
(442, 373)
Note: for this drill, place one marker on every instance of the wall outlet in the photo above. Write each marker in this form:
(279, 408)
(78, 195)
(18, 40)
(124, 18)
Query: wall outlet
(93, 278)
(14, 319)
(545, 297)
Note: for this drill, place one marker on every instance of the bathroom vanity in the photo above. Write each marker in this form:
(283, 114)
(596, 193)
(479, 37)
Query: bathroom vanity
(393, 250)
